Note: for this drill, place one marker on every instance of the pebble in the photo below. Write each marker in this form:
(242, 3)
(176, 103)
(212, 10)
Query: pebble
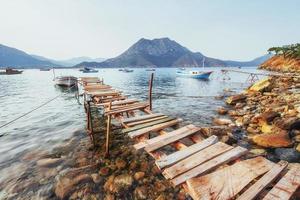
(49, 162)
(139, 175)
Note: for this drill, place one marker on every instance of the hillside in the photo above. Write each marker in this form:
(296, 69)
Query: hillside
(164, 52)
(281, 63)
(11, 57)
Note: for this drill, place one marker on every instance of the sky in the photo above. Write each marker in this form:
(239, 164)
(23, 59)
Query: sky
(224, 29)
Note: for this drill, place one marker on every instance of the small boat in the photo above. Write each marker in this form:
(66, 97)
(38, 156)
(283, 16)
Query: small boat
(121, 70)
(127, 70)
(195, 74)
(65, 81)
(44, 69)
(150, 70)
(9, 71)
(89, 70)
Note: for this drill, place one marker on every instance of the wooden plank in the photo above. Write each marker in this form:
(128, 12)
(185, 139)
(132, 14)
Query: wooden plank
(96, 86)
(140, 106)
(263, 182)
(146, 121)
(108, 99)
(172, 137)
(227, 182)
(179, 155)
(122, 102)
(154, 128)
(141, 117)
(151, 141)
(286, 186)
(209, 165)
(100, 94)
(196, 159)
(127, 130)
(122, 107)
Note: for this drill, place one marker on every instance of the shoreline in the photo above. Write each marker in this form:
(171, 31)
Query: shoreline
(76, 170)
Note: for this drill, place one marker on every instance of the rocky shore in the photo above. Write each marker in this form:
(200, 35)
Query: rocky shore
(265, 118)
(282, 64)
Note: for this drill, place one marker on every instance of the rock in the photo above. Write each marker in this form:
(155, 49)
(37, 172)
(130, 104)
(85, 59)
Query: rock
(109, 184)
(222, 111)
(155, 170)
(258, 152)
(261, 86)
(252, 130)
(141, 192)
(65, 185)
(109, 197)
(49, 162)
(298, 147)
(159, 186)
(133, 165)
(235, 99)
(96, 178)
(288, 123)
(104, 171)
(273, 140)
(268, 116)
(139, 175)
(221, 121)
(266, 128)
(144, 166)
(121, 164)
(288, 154)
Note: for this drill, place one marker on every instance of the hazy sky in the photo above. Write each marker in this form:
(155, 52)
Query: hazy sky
(226, 29)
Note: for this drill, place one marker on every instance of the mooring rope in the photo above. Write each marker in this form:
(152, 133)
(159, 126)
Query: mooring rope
(27, 113)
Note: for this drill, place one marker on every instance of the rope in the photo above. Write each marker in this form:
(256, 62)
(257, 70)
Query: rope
(27, 113)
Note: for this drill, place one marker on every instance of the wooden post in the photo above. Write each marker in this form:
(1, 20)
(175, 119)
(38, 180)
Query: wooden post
(108, 131)
(150, 91)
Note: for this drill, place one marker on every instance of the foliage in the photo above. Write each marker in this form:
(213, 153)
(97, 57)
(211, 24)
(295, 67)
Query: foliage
(290, 51)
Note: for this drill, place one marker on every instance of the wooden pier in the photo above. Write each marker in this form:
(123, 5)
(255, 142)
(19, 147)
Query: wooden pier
(206, 169)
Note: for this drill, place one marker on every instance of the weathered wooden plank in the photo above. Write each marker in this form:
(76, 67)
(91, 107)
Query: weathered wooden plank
(96, 86)
(179, 155)
(122, 102)
(127, 130)
(164, 136)
(286, 186)
(146, 121)
(227, 182)
(141, 117)
(129, 108)
(211, 164)
(109, 99)
(122, 107)
(172, 137)
(100, 94)
(196, 159)
(154, 128)
(263, 182)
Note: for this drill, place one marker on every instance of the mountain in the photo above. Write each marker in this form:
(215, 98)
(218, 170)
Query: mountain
(254, 62)
(11, 57)
(164, 52)
(69, 62)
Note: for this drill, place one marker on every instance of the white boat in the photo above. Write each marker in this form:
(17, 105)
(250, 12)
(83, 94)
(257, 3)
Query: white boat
(65, 81)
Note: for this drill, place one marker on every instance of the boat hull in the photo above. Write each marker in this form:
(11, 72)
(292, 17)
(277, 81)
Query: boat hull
(204, 75)
(66, 81)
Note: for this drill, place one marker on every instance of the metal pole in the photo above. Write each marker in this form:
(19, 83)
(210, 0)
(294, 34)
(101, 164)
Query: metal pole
(150, 91)
(108, 131)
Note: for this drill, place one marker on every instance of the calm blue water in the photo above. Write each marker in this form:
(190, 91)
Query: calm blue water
(193, 100)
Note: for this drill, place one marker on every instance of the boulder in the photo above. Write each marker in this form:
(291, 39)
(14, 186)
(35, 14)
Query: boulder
(66, 185)
(273, 140)
(139, 175)
(222, 111)
(141, 192)
(49, 162)
(267, 117)
(235, 99)
(222, 121)
(121, 164)
(288, 154)
(261, 86)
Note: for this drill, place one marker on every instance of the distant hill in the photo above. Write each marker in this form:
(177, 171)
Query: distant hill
(254, 62)
(164, 52)
(70, 62)
(11, 57)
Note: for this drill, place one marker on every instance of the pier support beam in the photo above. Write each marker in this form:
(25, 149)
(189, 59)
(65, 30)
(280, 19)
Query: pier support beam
(108, 131)
(150, 90)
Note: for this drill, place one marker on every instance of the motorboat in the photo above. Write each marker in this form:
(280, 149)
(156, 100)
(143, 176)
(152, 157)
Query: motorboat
(65, 81)
(150, 69)
(44, 69)
(9, 71)
(195, 74)
(89, 70)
